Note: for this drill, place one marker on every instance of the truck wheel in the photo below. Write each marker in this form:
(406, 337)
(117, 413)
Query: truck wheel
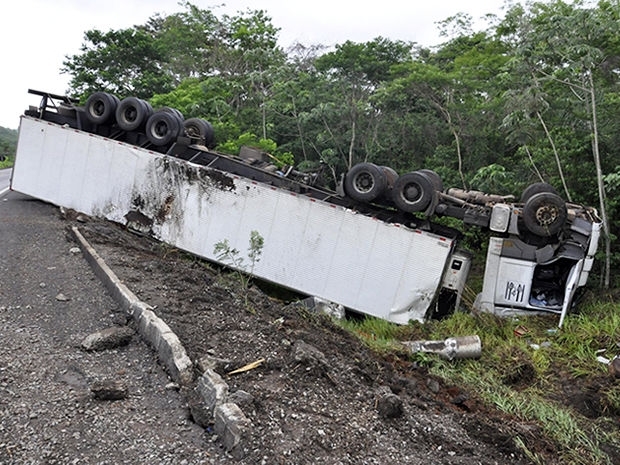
(544, 214)
(365, 182)
(163, 128)
(197, 128)
(412, 192)
(101, 107)
(133, 113)
(536, 188)
(434, 178)
(390, 175)
(173, 111)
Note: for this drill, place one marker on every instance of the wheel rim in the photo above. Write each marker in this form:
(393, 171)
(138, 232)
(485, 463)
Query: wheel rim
(192, 131)
(160, 129)
(411, 193)
(546, 215)
(98, 108)
(130, 115)
(364, 182)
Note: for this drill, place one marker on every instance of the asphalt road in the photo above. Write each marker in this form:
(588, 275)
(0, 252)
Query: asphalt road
(5, 177)
(49, 302)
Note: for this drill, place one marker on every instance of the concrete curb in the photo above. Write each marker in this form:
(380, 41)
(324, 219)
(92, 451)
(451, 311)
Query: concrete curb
(152, 328)
(231, 425)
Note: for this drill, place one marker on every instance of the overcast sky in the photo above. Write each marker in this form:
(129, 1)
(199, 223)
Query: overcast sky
(36, 35)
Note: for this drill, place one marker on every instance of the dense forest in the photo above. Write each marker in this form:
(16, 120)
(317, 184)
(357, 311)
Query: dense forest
(533, 97)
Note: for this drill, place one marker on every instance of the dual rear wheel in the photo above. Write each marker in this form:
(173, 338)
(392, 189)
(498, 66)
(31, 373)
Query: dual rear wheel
(161, 127)
(410, 192)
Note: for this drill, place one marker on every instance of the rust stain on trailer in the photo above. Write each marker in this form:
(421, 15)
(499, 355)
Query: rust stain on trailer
(165, 209)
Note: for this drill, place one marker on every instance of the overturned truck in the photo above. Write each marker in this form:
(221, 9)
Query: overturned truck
(371, 245)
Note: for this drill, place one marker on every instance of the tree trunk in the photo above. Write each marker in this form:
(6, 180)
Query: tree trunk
(555, 153)
(529, 155)
(600, 182)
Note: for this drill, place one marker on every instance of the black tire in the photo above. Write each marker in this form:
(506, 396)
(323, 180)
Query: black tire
(413, 192)
(434, 178)
(163, 128)
(100, 108)
(197, 128)
(133, 113)
(390, 175)
(174, 111)
(544, 214)
(365, 182)
(537, 188)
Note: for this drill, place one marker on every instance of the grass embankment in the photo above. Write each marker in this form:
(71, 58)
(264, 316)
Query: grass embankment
(531, 370)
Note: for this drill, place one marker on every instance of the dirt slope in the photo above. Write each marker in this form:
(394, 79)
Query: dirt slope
(320, 396)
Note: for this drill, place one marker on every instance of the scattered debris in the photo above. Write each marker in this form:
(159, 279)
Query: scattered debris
(543, 345)
(520, 331)
(433, 385)
(316, 304)
(241, 398)
(109, 389)
(109, 338)
(388, 404)
(308, 354)
(460, 397)
(213, 363)
(450, 348)
(62, 298)
(248, 367)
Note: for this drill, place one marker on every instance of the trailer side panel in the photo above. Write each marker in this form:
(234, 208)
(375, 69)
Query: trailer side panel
(317, 248)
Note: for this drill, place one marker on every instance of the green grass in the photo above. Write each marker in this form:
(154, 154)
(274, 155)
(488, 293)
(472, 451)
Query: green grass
(551, 355)
(7, 163)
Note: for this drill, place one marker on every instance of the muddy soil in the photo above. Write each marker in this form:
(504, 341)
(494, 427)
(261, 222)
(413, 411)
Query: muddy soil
(342, 404)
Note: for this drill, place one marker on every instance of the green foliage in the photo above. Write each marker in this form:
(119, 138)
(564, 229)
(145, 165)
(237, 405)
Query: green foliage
(249, 139)
(124, 62)
(233, 147)
(370, 62)
(231, 256)
(8, 146)
(494, 178)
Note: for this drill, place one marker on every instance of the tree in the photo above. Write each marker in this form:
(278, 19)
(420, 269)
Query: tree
(570, 52)
(450, 88)
(125, 62)
(189, 41)
(355, 71)
(154, 58)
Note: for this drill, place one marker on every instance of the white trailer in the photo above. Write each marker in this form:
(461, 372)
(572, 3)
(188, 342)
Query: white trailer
(375, 259)
(315, 247)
